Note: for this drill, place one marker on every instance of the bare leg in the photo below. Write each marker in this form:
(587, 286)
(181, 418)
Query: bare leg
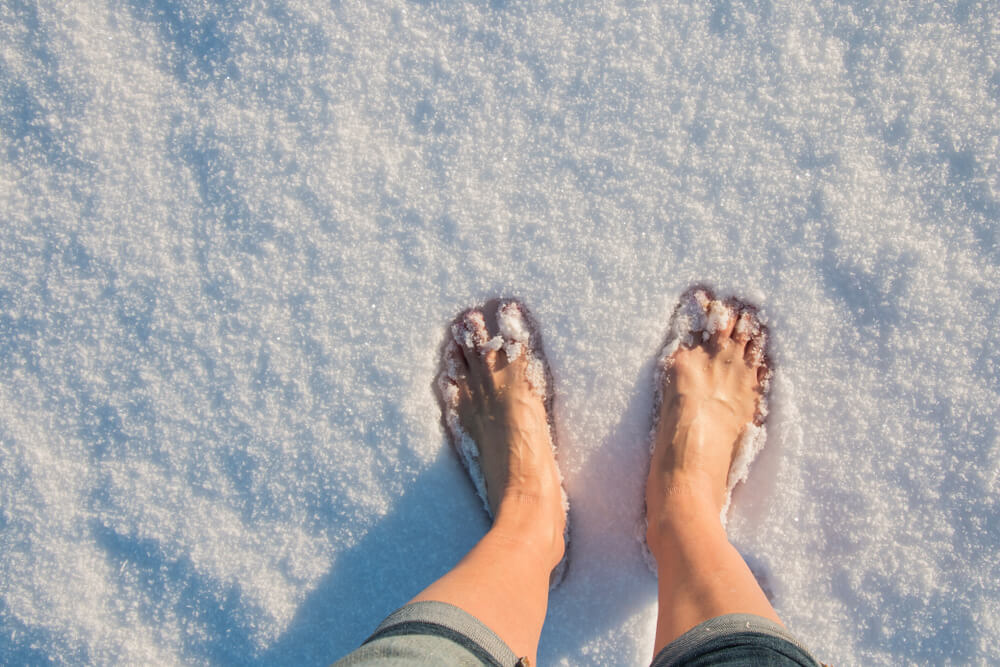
(504, 580)
(710, 393)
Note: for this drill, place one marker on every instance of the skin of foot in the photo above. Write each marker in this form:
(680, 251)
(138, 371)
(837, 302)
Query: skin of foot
(503, 413)
(710, 393)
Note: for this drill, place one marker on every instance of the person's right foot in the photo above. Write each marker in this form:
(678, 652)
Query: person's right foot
(711, 391)
(496, 386)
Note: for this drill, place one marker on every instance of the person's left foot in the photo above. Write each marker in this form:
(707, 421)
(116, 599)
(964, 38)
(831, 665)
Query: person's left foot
(493, 387)
(711, 394)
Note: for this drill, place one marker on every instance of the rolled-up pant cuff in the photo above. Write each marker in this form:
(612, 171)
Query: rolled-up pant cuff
(736, 639)
(432, 633)
(437, 633)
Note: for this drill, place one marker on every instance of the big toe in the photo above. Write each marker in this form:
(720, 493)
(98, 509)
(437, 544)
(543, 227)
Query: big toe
(514, 330)
(719, 322)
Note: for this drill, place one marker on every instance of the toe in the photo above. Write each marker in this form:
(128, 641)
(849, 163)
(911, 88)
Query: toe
(511, 322)
(463, 331)
(465, 334)
(479, 348)
(489, 346)
(720, 322)
(449, 390)
(514, 330)
(753, 354)
(744, 327)
(453, 380)
(763, 371)
(470, 330)
(455, 367)
(489, 351)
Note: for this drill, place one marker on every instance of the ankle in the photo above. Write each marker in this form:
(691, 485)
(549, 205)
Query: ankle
(685, 490)
(532, 523)
(685, 506)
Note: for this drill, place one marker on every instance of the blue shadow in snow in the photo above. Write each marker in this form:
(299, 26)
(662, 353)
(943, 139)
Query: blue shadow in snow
(421, 538)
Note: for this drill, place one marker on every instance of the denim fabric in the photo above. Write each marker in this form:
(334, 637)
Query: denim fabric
(435, 633)
(431, 633)
(735, 639)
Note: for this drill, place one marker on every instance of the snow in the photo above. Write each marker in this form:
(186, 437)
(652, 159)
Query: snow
(234, 236)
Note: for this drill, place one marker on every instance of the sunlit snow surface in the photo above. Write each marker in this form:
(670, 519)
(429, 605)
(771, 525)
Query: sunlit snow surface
(233, 235)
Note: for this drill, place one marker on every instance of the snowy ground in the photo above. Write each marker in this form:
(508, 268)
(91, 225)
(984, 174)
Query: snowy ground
(233, 233)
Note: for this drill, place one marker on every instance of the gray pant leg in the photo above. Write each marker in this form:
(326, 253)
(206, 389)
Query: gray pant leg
(735, 639)
(431, 633)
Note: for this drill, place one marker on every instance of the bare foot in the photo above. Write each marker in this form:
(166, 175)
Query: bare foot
(494, 390)
(711, 391)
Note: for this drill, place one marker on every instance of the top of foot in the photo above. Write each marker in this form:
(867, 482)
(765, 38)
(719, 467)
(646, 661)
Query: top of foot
(711, 393)
(494, 387)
